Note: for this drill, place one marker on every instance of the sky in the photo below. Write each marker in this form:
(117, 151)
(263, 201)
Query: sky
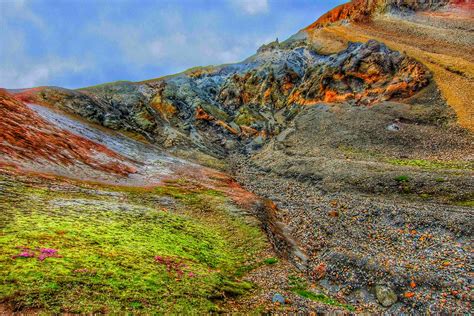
(79, 43)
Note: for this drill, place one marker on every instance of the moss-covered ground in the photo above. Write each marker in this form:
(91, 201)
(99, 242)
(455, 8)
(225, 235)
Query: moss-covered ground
(432, 164)
(82, 248)
(300, 287)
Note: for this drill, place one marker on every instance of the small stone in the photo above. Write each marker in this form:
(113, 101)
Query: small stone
(319, 271)
(258, 140)
(278, 298)
(385, 295)
(393, 127)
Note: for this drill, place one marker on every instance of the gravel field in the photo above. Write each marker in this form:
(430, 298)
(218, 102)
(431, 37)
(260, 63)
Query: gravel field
(358, 245)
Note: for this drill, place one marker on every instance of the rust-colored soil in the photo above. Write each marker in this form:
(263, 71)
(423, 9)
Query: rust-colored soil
(27, 137)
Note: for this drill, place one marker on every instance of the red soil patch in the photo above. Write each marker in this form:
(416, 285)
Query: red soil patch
(27, 137)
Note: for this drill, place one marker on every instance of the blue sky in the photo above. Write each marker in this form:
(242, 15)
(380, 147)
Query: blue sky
(78, 43)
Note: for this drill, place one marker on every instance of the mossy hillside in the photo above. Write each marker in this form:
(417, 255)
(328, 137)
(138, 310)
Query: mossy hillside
(108, 241)
(426, 164)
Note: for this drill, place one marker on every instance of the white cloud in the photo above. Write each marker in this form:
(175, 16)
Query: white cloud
(165, 41)
(252, 6)
(34, 74)
(174, 45)
(19, 9)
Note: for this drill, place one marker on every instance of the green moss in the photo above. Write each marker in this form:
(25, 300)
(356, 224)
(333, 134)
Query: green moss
(215, 111)
(319, 297)
(107, 239)
(144, 120)
(299, 286)
(247, 116)
(270, 261)
(360, 153)
(432, 164)
(402, 178)
(465, 203)
(233, 288)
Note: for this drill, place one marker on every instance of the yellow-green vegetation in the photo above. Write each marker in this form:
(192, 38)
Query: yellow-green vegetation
(93, 249)
(432, 164)
(215, 111)
(469, 203)
(247, 116)
(358, 153)
(404, 180)
(202, 158)
(300, 287)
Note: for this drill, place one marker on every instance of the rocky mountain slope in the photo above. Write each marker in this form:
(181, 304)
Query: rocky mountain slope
(437, 34)
(216, 108)
(356, 133)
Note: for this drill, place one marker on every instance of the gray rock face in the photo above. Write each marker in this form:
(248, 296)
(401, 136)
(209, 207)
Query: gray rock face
(385, 295)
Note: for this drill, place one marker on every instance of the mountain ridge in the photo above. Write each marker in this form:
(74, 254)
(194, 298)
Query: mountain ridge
(349, 145)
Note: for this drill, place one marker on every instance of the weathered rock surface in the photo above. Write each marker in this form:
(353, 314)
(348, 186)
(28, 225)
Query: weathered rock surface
(385, 295)
(26, 137)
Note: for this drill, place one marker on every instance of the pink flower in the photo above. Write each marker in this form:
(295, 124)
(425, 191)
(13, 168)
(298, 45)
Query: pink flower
(172, 264)
(24, 254)
(48, 251)
(43, 253)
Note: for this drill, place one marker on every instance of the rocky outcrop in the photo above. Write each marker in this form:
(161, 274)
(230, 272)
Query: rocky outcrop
(215, 108)
(364, 10)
